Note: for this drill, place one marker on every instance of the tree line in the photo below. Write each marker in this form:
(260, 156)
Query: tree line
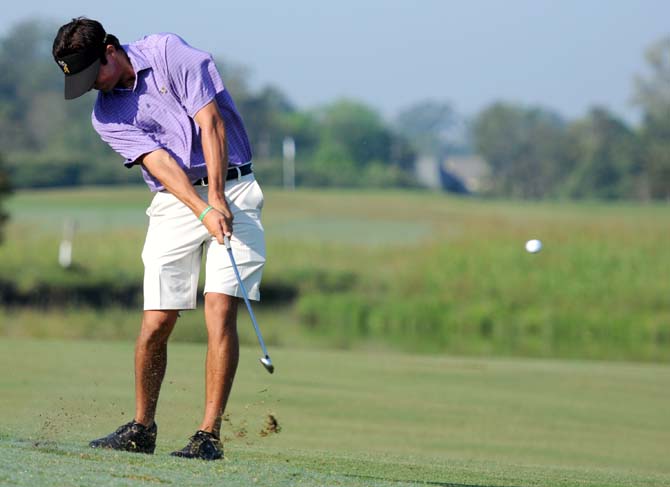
(535, 153)
(532, 152)
(48, 141)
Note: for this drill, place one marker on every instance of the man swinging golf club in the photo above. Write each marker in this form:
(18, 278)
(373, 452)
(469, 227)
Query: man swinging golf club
(162, 105)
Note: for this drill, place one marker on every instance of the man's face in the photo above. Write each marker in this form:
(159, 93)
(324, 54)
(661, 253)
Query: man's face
(110, 73)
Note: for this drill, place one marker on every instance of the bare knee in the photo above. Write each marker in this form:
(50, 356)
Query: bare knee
(157, 326)
(221, 315)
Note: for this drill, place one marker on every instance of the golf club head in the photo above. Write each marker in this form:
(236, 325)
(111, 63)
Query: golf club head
(267, 363)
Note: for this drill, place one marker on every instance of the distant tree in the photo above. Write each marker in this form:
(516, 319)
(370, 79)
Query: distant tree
(262, 113)
(235, 77)
(46, 140)
(526, 148)
(351, 145)
(655, 141)
(23, 73)
(304, 128)
(427, 125)
(5, 189)
(357, 131)
(606, 156)
(652, 94)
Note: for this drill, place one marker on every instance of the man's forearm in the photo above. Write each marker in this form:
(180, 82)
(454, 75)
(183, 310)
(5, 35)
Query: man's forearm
(214, 146)
(164, 168)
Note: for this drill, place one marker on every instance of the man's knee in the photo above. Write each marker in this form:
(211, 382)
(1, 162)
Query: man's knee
(221, 304)
(157, 325)
(221, 313)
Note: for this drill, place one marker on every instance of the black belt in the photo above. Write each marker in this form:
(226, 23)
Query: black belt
(234, 172)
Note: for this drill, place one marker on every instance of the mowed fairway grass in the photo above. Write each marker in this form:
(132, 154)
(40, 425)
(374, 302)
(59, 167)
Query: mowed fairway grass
(346, 418)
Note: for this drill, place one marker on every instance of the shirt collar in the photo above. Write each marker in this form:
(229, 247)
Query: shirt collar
(138, 61)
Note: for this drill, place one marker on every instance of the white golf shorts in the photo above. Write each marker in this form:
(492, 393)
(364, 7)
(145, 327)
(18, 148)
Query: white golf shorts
(176, 241)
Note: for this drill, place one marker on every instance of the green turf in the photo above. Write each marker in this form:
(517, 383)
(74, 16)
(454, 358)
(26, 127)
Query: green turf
(347, 418)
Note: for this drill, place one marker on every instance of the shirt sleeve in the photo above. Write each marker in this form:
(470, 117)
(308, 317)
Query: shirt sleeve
(127, 140)
(193, 74)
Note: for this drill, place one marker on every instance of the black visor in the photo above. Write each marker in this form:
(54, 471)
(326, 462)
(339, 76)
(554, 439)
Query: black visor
(81, 70)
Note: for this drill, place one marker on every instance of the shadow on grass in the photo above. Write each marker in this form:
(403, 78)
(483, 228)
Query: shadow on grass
(422, 482)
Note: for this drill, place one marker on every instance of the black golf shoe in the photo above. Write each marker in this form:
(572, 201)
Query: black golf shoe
(202, 445)
(133, 437)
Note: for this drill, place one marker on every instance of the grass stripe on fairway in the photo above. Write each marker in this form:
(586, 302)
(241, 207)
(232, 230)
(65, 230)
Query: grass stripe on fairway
(347, 418)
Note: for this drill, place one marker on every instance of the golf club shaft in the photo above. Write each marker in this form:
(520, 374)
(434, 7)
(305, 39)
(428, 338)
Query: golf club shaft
(246, 297)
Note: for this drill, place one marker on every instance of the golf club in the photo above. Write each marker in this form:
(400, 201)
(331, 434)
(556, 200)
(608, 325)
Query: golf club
(267, 363)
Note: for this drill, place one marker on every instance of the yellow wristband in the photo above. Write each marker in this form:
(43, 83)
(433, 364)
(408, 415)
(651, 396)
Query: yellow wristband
(204, 212)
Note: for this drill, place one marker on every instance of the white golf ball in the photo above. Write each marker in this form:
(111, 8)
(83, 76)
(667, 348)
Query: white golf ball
(533, 246)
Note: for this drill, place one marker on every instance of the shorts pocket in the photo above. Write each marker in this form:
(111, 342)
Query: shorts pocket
(256, 198)
(157, 206)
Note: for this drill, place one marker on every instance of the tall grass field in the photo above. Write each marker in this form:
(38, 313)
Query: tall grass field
(412, 271)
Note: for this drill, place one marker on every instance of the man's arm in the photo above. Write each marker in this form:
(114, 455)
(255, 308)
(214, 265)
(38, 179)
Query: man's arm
(164, 168)
(215, 149)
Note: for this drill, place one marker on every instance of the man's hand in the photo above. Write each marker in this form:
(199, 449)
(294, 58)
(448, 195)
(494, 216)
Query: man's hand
(219, 221)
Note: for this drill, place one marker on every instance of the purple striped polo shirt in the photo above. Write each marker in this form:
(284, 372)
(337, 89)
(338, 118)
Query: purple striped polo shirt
(173, 82)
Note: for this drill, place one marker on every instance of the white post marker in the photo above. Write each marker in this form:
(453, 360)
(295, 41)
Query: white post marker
(65, 249)
(288, 150)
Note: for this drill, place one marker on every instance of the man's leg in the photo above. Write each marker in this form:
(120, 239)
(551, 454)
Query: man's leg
(223, 352)
(151, 361)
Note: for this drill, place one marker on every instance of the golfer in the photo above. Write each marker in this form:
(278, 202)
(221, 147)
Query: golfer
(162, 106)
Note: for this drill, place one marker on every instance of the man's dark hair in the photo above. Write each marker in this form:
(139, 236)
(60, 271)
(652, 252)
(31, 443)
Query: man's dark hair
(82, 34)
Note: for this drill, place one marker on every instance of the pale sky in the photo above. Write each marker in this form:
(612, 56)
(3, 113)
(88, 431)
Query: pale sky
(564, 54)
